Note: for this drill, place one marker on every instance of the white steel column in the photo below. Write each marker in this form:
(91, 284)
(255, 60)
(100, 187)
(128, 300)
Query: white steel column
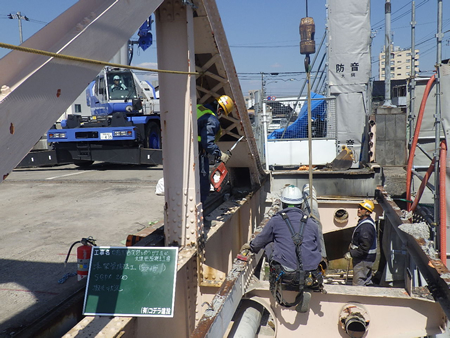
(175, 36)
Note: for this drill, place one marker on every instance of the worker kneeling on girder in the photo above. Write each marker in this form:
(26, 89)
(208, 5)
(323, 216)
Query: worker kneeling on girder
(292, 246)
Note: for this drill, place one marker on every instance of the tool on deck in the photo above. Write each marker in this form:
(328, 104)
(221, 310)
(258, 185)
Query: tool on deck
(219, 174)
(243, 256)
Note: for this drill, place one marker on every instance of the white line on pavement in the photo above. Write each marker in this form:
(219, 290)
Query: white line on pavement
(77, 173)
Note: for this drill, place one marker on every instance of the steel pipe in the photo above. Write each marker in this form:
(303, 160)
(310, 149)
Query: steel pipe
(355, 326)
(354, 320)
(248, 320)
(442, 203)
(415, 140)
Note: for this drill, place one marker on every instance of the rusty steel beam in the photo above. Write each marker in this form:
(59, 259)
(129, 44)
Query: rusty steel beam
(216, 318)
(221, 309)
(433, 270)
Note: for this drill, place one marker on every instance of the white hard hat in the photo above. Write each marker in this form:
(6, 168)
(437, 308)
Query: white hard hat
(116, 77)
(291, 195)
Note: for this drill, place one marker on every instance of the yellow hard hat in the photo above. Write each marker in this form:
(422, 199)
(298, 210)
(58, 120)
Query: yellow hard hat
(226, 103)
(368, 205)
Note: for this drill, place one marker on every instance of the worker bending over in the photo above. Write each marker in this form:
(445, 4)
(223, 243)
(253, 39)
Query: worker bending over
(363, 247)
(208, 127)
(292, 246)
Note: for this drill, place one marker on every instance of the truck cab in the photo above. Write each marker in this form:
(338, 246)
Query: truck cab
(119, 90)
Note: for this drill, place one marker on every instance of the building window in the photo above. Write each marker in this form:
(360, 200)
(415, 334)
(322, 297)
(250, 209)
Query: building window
(408, 54)
(408, 67)
(77, 108)
(408, 60)
(382, 63)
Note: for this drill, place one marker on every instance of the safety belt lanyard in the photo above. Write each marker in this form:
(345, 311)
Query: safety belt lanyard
(296, 237)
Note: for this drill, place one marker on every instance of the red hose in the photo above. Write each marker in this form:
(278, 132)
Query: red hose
(423, 184)
(442, 202)
(414, 141)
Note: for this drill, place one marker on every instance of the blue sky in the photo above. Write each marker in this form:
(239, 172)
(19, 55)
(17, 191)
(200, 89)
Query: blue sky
(264, 36)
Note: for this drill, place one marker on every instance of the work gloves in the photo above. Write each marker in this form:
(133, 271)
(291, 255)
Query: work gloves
(246, 246)
(347, 256)
(224, 157)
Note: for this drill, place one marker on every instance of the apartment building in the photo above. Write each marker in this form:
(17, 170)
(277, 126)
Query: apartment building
(401, 63)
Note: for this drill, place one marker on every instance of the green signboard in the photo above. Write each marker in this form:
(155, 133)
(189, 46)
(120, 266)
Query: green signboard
(131, 281)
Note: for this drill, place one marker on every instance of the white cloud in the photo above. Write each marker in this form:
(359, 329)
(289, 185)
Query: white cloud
(276, 65)
(151, 65)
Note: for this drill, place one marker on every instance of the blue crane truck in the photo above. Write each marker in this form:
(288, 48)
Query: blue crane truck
(124, 126)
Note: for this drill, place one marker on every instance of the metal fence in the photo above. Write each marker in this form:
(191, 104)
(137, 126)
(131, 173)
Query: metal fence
(323, 116)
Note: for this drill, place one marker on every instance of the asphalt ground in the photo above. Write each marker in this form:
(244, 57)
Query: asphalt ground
(45, 210)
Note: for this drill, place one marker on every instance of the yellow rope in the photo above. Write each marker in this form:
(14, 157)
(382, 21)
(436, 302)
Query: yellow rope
(97, 62)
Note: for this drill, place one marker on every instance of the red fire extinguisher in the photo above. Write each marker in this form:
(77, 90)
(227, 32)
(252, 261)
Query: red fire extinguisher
(83, 256)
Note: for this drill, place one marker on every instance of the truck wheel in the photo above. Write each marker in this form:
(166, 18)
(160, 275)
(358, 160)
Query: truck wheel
(82, 164)
(152, 135)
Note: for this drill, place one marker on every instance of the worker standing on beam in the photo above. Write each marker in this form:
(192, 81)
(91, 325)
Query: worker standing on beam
(208, 127)
(292, 247)
(363, 247)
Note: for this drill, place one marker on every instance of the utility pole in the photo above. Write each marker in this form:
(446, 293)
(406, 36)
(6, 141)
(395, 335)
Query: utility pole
(387, 55)
(19, 17)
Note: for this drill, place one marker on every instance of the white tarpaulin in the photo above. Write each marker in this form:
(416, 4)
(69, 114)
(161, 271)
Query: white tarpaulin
(349, 67)
(349, 42)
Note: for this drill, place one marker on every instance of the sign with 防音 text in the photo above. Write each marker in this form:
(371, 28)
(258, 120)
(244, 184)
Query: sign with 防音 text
(131, 281)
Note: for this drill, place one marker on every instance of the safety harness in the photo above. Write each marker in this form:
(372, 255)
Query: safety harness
(295, 278)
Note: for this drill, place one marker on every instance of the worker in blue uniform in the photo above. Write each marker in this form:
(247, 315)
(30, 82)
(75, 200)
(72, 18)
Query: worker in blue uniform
(363, 247)
(208, 127)
(278, 241)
